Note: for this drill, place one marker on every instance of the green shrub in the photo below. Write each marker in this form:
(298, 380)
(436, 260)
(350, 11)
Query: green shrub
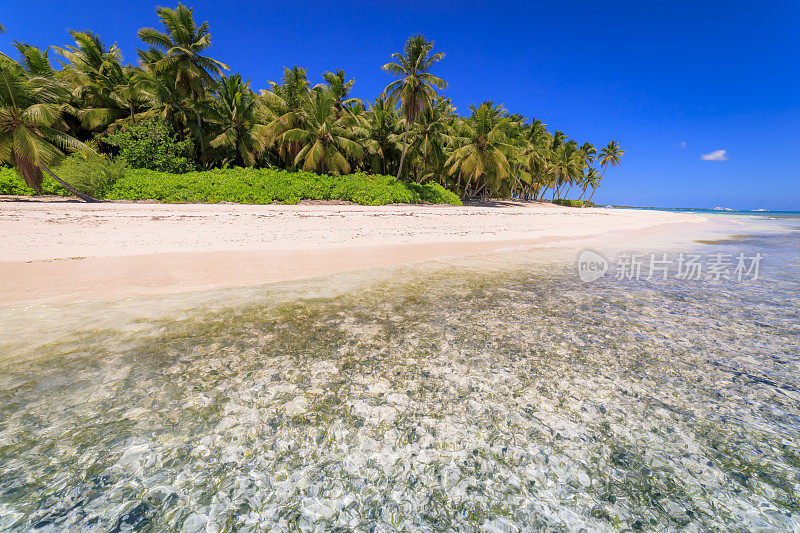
(433, 193)
(151, 144)
(239, 185)
(265, 186)
(12, 183)
(92, 175)
(573, 203)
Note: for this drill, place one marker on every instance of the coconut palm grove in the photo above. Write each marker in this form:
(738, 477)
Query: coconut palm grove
(179, 126)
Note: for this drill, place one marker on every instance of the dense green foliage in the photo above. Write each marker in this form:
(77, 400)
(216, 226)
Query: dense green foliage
(573, 203)
(240, 185)
(11, 183)
(92, 174)
(150, 144)
(178, 111)
(264, 186)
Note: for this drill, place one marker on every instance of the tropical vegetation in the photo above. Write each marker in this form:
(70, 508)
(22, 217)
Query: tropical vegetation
(180, 118)
(240, 185)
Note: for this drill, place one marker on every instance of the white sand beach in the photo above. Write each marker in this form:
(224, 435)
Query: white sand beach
(60, 250)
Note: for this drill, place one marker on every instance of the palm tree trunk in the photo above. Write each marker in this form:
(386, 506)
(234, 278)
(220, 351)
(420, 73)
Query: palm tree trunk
(466, 186)
(590, 196)
(595, 188)
(403, 155)
(84, 197)
(200, 137)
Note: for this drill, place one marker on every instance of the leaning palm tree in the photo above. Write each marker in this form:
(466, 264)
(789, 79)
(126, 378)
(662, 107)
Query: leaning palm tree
(593, 181)
(30, 140)
(326, 138)
(590, 179)
(611, 154)
(415, 89)
(589, 154)
(567, 166)
(183, 45)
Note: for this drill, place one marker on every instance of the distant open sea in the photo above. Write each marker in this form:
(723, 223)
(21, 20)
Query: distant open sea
(724, 211)
(491, 393)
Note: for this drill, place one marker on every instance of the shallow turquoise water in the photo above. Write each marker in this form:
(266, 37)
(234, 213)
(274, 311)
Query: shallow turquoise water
(496, 393)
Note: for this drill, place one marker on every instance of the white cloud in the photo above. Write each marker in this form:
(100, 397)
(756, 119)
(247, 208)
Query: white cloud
(716, 155)
(683, 144)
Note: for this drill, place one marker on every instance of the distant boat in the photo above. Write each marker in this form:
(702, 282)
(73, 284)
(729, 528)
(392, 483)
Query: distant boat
(760, 209)
(724, 209)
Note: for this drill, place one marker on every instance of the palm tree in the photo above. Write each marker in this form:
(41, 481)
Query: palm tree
(415, 89)
(91, 72)
(35, 62)
(611, 154)
(431, 136)
(559, 137)
(236, 111)
(92, 59)
(183, 44)
(484, 149)
(536, 158)
(593, 181)
(382, 128)
(519, 179)
(324, 137)
(166, 102)
(340, 89)
(122, 103)
(284, 102)
(567, 166)
(589, 176)
(588, 154)
(30, 140)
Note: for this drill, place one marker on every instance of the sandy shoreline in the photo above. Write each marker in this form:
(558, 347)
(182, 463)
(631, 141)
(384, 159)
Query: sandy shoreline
(57, 251)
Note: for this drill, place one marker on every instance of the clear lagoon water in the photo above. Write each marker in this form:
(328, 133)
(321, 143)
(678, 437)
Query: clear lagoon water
(490, 393)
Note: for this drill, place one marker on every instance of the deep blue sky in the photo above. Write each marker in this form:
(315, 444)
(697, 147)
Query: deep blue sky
(669, 80)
